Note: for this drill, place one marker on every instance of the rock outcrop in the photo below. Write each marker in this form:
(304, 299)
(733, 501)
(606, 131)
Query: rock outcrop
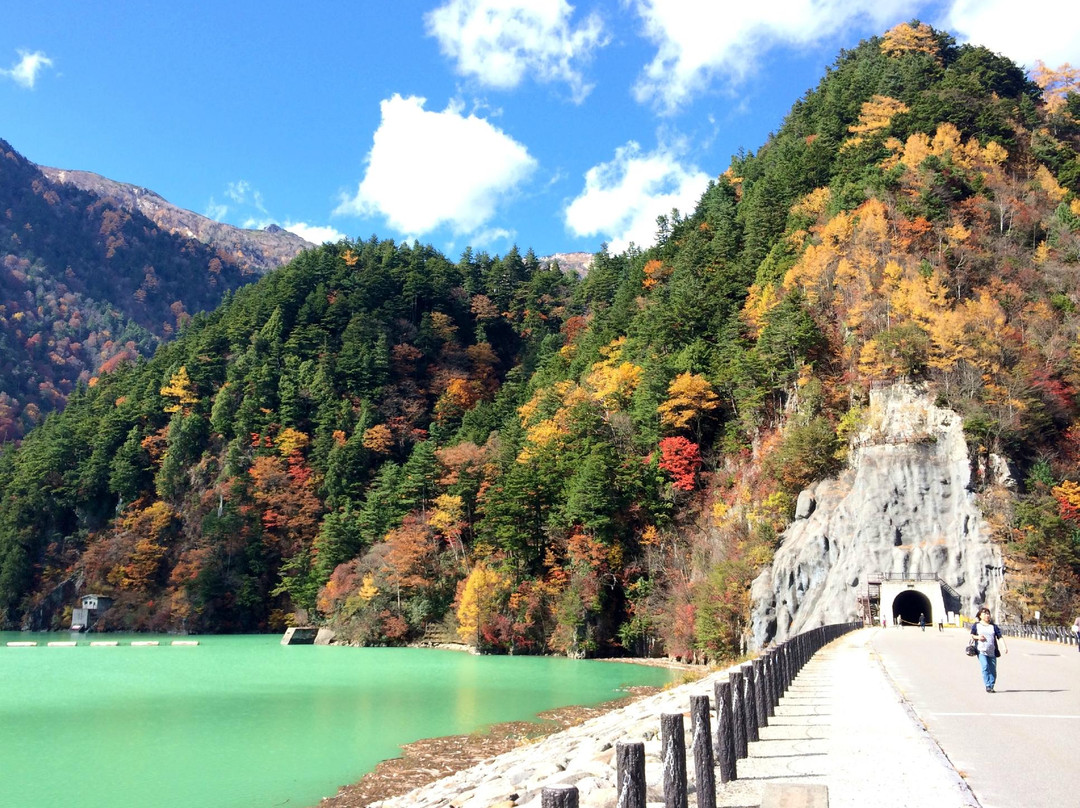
(905, 506)
(254, 251)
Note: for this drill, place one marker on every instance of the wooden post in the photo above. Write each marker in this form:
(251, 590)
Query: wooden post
(738, 710)
(704, 779)
(770, 683)
(673, 754)
(781, 670)
(760, 694)
(725, 733)
(630, 774)
(750, 711)
(559, 796)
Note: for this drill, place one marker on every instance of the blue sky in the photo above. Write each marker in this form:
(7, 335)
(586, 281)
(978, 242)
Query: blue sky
(480, 123)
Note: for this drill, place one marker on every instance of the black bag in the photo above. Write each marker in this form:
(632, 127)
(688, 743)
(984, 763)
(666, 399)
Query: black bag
(971, 649)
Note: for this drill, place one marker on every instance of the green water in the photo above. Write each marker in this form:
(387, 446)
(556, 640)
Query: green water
(246, 721)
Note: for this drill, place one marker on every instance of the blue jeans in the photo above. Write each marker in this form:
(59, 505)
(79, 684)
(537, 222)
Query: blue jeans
(988, 665)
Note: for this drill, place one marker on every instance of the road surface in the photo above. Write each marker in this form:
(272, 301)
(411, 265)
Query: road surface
(1017, 747)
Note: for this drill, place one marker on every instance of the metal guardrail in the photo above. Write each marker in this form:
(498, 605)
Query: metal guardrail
(1036, 631)
(909, 576)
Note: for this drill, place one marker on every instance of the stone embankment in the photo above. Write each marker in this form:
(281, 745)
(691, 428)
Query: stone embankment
(841, 724)
(583, 756)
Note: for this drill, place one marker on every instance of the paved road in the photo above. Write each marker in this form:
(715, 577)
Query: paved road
(1016, 748)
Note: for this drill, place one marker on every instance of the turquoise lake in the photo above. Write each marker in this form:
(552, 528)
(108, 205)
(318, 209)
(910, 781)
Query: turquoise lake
(245, 721)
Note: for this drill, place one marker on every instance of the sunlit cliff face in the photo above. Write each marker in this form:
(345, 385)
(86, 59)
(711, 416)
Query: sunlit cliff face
(905, 506)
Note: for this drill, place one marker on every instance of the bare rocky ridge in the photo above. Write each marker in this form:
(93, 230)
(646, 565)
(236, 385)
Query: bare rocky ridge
(576, 262)
(254, 251)
(905, 505)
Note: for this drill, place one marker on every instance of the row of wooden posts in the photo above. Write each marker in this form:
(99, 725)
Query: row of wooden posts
(744, 703)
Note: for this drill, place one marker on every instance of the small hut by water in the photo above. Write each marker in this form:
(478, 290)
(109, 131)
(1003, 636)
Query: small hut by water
(90, 608)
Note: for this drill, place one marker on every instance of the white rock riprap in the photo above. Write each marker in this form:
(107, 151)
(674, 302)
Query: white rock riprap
(582, 756)
(904, 506)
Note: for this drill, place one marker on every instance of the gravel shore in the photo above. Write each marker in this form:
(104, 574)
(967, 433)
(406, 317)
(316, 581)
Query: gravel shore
(431, 759)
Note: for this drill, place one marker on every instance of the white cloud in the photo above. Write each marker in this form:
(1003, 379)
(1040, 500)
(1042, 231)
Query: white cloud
(623, 198)
(215, 210)
(316, 234)
(491, 236)
(242, 193)
(500, 42)
(25, 71)
(428, 169)
(699, 43)
(248, 204)
(1044, 29)
(237, 191)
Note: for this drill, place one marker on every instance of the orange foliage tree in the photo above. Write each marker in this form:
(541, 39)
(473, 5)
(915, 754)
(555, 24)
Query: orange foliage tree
(681, 458)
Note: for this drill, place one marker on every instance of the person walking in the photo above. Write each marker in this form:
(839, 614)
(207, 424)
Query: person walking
(988, 637)
(1076, 631)
(922, 621)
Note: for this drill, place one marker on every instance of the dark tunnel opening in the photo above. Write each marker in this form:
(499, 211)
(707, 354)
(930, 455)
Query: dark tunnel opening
(909, 605)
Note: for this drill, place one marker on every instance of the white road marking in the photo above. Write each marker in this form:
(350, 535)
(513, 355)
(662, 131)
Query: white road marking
(1005, 715)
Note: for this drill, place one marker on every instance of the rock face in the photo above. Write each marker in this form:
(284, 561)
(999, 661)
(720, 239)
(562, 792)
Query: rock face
(254, 251)
(904, 506)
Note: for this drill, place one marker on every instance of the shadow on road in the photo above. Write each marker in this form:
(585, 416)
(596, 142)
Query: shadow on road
(1010, 690)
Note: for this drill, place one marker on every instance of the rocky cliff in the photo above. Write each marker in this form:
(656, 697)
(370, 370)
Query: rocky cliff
(254, 251)
(904, 506)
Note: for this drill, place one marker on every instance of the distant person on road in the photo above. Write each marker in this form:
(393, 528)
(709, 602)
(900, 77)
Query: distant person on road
(922, 621)
(988, 637)
(1076, 631)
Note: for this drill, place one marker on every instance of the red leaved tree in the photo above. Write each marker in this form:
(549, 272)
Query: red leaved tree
(681, 458)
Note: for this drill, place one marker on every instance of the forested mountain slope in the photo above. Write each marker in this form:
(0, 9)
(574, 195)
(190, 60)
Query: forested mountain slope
(386, 440)
(86, 283)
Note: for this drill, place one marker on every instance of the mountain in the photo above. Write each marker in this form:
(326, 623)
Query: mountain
(385, 441)
(577, 262)
(254, 251)
(90, 279)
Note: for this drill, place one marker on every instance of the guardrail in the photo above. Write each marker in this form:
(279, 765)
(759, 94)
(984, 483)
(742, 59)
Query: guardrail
(1036, 631)
(743, 704)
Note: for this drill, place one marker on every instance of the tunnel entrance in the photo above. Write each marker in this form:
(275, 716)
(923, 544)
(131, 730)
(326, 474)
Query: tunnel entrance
(909, 605)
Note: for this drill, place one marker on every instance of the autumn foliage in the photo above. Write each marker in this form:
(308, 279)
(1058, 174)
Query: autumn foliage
(681, 458)
(491, 450)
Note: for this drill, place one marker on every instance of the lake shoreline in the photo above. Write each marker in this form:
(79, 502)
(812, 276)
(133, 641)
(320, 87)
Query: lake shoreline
(430, 759)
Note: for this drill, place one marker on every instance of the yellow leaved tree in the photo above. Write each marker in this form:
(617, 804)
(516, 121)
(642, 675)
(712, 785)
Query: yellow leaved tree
(908, 38)
(482, 598)
(690, 397)
(448, 519)
(875, 117)
(1056, 83)
(291, 440)
(182, 392)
